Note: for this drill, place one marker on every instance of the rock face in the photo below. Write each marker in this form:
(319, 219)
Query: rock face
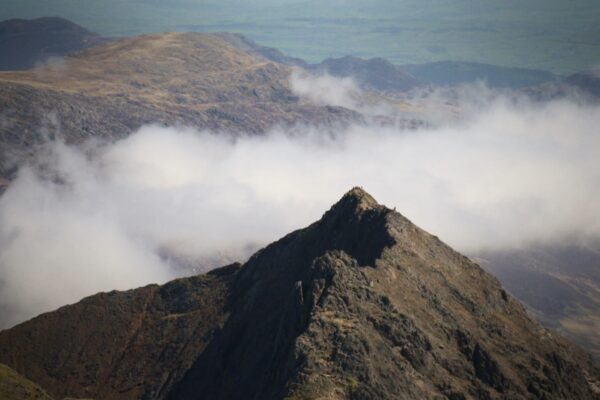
(359, 305)
(27, 43)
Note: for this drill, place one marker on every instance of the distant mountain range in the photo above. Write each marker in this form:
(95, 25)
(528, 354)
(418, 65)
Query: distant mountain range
(25, 44)
(28, 43)
(361, 304)
(380, 75)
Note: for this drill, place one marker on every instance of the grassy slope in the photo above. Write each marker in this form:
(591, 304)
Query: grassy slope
(16, 387)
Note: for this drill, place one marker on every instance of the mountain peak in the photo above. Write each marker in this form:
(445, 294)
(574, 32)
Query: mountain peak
(362, 200)
(361, 304)
(355, 202)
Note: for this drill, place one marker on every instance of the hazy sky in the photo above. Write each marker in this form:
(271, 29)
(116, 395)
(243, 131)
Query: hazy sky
(557, 35)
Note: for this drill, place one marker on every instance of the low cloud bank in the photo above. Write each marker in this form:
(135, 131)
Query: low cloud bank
(118, 215)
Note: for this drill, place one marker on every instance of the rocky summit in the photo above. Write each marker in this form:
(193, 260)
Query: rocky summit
(362, 304)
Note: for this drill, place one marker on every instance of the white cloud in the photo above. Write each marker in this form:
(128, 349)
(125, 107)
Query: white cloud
(99, 218)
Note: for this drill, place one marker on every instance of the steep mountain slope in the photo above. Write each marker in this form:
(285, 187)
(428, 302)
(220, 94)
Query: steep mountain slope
(15, 387)
(121, 345)
(360, 305)
(108, 91)
(27, 43)
(560, 284)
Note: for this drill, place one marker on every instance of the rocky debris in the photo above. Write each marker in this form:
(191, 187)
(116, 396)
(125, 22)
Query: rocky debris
(359, 305)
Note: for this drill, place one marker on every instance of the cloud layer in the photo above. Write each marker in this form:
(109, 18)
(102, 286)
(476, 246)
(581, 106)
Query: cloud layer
(118, 215)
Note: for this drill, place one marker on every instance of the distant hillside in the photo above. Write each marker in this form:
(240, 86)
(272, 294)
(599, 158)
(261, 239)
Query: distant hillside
(588, 81)
(27, 43)
(269, 53)
(453, 73)
(374, 73)
(110, 90)
(381, 75)
(559, 284)
(583, 85)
